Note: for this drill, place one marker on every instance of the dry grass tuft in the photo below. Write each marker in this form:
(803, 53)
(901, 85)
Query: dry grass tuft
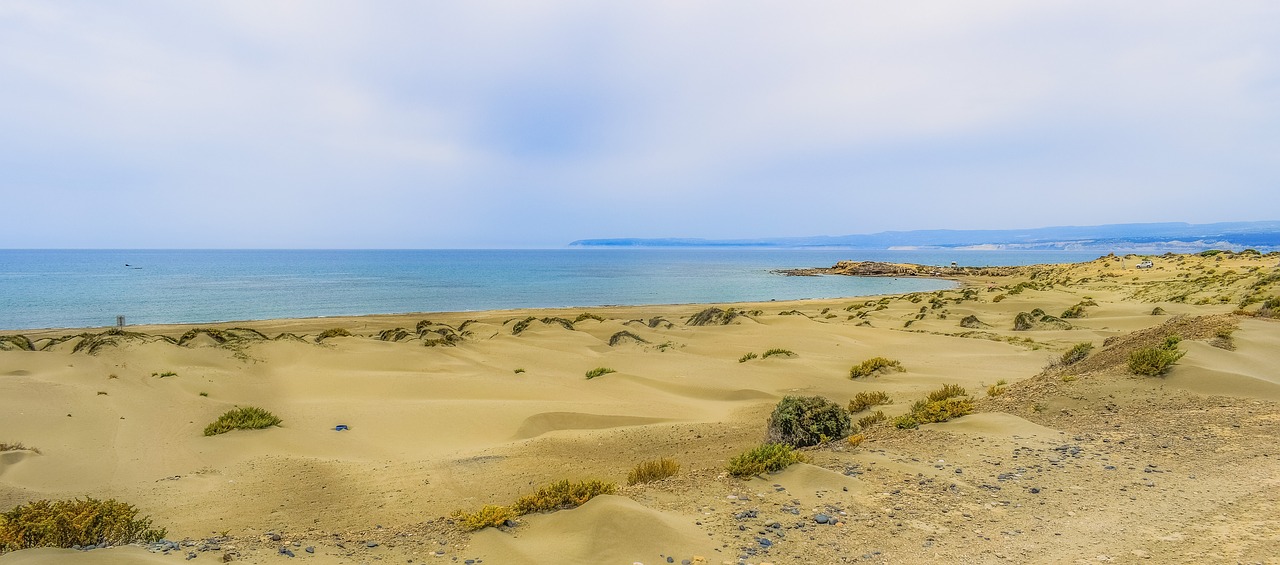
(767, 458)
(68, 523)
(650, 471)
(875, 366)
(246, 418)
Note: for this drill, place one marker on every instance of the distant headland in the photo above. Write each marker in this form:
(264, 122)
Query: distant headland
(1173, 236)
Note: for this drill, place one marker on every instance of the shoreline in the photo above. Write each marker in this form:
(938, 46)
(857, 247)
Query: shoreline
(957, 283)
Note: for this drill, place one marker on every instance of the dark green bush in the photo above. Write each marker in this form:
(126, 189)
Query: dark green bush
(801, 421)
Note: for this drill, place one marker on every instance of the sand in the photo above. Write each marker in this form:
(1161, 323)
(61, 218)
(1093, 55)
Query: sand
(1063, 466)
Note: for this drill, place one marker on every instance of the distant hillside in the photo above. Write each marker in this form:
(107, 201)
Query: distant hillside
(1162, 236)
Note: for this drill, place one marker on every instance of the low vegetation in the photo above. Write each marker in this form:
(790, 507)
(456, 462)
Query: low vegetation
(587, 316)
(875, 366)
(559, 495)
(244, 418)
(766, 458)
(871, 419)
(713, 317)
(1076, 354)
(332, 332)
(650, 471)
(747, 357)
(69, 523)
(997, 389)
(16, 447)
(625, 336)
(599, 371)
(865, 400)
(777, 351)
(801, 421)
(950, 401)
(1155, 361)
(164, 374)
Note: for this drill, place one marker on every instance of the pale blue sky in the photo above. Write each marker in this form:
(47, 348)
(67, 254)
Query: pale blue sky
(531, 124)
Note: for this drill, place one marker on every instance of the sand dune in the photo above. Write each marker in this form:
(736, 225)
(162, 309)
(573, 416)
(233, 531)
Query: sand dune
(438, 423)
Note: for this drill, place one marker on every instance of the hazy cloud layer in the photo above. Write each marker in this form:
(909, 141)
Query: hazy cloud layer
(431, 124)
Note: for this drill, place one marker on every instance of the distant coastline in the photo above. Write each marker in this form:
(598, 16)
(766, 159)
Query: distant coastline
(1157, 237)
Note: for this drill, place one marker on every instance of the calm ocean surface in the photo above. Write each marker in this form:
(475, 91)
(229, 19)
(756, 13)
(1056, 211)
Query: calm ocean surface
(77, 288)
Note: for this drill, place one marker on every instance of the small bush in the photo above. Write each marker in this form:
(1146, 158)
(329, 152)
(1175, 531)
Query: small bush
(871, 419)
(522, 325)
(747, 357)
(67, 523)
(332, 332)
(947, 391)
(938, 406)
(865, 400)
(996, 389)
(488, 515)
(1153, 361)
(650, 471)
(776, 351)
(998, 298)
(246, 418)
(767, 458)
(562, 495)
(1076, 311)
(1077, 353)
(587, 316)
(599, 371)
(205, 394)
(518, 371)
(856, 440)
(556, 496)
(801, 421)
(16, 447)
(625, 336)
(873, 366)
(164, 374)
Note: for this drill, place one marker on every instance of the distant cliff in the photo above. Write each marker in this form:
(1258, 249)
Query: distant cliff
(1162, 237)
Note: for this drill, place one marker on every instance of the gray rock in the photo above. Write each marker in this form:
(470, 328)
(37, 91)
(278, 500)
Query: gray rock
(822, 519)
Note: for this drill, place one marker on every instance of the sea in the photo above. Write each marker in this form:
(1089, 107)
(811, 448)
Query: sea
(90, 288)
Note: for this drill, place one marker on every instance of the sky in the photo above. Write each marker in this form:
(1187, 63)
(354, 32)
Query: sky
(428, 124)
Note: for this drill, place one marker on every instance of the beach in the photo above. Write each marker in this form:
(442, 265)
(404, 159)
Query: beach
(1059, 462)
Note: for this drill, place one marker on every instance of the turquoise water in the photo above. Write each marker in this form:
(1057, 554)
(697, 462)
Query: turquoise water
(85, 288)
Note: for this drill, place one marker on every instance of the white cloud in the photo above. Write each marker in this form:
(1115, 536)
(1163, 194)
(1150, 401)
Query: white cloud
(635, 118)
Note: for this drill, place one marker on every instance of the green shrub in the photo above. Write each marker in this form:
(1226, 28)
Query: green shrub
(562, 495)
(332, 332)
(486, 516)
(865, 400)
(938, 406)
(767, 458)
(871, 419)
(873, 366)
(749, 356)
(67, 523)
(599, 371)
(1076, 311)
(1153, 361)
(556, 496)
(587, 316)
(246, 418)
(801, 421)
(164, 374)
(947, 391)
(650, 471)
(522, 325)
(996, 389)
(776, 351)
(1077, 353)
